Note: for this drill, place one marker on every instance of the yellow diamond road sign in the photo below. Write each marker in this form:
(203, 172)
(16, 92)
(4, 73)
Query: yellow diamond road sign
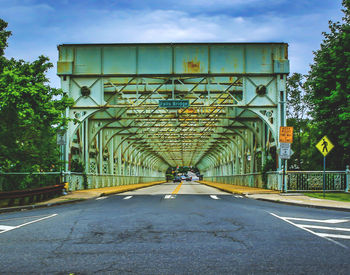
(324, 146)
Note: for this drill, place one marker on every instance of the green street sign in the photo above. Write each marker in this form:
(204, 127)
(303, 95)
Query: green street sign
(174, 104)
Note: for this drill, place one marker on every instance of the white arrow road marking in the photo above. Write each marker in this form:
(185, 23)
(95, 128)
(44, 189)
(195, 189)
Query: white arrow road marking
(27, 223)
(101, 198)
(127, 198)
(214, 197)
(321, 235)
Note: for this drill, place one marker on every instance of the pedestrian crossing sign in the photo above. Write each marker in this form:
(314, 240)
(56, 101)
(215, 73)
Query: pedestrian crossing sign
(324, 146)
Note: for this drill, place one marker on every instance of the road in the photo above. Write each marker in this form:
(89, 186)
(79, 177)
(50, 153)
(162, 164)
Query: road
(175, 229)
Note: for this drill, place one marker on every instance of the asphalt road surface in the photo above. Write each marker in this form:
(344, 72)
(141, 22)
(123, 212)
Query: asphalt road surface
(175, 229)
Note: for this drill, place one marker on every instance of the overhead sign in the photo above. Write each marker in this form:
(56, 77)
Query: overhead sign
(174, 104)
(286, 134)
(285, 151)
(324, 146)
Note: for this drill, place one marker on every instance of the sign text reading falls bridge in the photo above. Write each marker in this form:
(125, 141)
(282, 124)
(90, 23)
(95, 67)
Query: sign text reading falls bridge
(142, 108)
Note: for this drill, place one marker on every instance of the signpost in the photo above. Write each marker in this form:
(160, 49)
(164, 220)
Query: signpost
(324, 146)
(285, 139)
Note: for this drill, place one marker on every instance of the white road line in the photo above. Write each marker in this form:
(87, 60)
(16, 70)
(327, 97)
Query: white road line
(214, 197)
(127, 198)
(6, 227)
(325, 227)
(286, 219)
(169, 197)
(101, 198)
(27, 223)
(337, 236)
(238, 196)
(313, 220)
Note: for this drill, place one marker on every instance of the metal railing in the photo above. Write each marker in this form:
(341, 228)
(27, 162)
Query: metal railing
(313, 181)
(80, 181)
(250, 180)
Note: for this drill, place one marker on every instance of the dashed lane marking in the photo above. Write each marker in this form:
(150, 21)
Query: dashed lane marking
(326, 236)
(167, 197)
(214, 197)
(9, 228)
(238, 196)
(127, 198)
(101, 198)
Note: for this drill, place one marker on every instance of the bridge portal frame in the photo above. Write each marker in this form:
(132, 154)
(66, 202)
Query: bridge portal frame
(237, 89)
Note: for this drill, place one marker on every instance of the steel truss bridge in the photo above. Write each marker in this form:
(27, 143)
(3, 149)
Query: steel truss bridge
(236, 94)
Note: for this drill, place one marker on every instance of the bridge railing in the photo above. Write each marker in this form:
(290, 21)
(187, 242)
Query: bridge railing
(79, 181)
(250, 180)
(313, 181)
(295, 181)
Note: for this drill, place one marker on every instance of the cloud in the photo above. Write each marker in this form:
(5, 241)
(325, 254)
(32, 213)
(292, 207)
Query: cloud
(38, 27)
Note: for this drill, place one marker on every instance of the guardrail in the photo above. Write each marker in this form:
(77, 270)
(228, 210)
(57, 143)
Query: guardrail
(32, 195)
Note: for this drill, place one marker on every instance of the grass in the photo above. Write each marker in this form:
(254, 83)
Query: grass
(330, 196)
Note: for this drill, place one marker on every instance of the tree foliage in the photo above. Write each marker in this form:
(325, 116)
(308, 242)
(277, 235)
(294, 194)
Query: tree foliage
(30, 113)
(328, 89)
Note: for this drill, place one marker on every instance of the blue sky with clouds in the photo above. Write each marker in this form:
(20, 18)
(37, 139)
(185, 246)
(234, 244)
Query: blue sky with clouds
(38, 26)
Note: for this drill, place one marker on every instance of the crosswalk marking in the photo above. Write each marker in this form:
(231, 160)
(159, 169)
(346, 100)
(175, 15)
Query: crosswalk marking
(313, 220)
(326, 236)
(9, 228)
(6, 227)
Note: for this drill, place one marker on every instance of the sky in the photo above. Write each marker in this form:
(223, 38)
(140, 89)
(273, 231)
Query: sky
(38, 26)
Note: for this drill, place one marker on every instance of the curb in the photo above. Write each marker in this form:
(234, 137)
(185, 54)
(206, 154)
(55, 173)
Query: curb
(303, 205)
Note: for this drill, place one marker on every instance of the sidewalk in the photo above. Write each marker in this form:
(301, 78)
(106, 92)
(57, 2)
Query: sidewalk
(278, 197)
(81, 195)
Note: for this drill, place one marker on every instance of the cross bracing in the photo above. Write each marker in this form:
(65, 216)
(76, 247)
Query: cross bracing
(235, 95)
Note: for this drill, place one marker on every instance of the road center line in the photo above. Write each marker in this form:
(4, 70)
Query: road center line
(127, 198)
(177, 189)
(27, 223)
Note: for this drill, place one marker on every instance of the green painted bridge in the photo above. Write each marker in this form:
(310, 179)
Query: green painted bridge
(142, 108)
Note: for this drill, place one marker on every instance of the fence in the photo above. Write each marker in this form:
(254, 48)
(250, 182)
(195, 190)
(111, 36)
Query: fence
(313, 181)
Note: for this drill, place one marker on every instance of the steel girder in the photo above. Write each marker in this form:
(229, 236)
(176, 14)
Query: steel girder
(236, 95)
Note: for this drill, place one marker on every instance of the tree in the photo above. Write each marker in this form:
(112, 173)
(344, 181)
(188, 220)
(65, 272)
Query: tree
(328, 89)
(31, 112)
